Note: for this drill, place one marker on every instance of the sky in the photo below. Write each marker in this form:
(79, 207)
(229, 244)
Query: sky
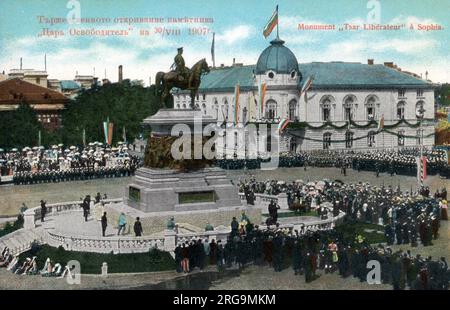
(238, 25)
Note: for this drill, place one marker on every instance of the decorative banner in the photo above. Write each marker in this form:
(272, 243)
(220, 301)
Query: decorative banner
(381, 123)
(212, 50)
(110, 133)
(105, 130)
(84, 137)
(273, 21)
(262, 93)
(236, 103)
(306, 86)
(283, 124)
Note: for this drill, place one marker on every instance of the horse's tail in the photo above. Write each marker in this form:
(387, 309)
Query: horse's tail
(158, 82)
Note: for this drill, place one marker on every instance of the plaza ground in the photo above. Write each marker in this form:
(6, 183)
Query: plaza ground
(252, 277)
(12, 197)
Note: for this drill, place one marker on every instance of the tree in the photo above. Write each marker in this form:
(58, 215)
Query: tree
(126, 105)
(19, 128)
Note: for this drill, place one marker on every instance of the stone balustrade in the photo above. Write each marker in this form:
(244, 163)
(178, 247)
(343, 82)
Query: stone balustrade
(116, 244)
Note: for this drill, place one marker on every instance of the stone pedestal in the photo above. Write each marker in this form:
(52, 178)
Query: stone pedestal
(161, 190)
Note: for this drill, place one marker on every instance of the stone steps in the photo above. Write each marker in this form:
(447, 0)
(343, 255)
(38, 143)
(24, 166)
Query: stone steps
(21, 240)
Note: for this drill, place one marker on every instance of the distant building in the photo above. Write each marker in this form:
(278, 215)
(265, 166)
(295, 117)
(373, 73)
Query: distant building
(47, 103)
(344, 104)
(37, 77)
(70, 88)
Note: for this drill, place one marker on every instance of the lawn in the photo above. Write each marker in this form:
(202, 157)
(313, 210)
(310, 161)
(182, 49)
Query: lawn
(350, 230)
(154, 260)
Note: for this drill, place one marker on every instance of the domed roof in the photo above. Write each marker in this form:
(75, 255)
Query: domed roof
(278, 58)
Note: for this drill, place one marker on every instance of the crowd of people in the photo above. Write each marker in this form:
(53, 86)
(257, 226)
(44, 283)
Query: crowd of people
(29, 266)
(400, 162)
(407, 218)
(59, 164)
(328, 251)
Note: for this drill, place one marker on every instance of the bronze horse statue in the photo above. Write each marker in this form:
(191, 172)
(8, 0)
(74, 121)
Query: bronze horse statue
(164, 82)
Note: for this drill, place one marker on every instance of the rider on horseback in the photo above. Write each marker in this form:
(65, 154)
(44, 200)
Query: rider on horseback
(180, 67)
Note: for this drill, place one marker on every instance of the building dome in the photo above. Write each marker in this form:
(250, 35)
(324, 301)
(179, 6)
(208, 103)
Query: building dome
(278, 58)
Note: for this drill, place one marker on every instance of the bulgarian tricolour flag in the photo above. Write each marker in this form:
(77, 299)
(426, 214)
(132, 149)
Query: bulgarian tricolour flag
(273, 21)
(262, 93)
(283, 124)
(307, 85)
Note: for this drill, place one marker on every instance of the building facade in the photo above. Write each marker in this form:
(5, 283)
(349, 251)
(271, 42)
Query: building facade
(341, 110)
(47, 103)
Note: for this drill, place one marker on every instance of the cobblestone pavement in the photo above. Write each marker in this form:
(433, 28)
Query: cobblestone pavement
(12, 197)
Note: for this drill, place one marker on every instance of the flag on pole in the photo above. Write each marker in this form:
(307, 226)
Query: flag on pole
(105, 130)
(381, 123)
(273, 21)
(236, 103)
(124, 134)
(262, 93)
(212, 50)
(110, 133)
(283, 124)
(306, 86)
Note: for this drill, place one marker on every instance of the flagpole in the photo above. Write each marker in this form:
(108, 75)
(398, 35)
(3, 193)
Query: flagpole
(278, 22)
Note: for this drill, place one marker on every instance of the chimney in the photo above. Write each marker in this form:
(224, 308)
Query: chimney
(370, 61)
(234, 61)
(120, 74)
(389, 64)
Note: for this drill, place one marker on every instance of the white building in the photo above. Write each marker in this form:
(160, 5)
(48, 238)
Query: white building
(341, 91)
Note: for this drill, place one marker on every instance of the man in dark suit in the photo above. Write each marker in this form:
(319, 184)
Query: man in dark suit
(104, 223)
(43, 209)
(138, 227)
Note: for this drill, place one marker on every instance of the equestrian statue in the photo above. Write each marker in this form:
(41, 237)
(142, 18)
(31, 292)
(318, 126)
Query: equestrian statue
(180, 77)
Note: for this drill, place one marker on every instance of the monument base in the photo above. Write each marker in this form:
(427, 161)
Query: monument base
(163, 190)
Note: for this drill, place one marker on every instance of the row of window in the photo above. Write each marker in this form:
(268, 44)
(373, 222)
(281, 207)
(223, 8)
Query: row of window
(48, 118)
(349, 139)
(401, 93)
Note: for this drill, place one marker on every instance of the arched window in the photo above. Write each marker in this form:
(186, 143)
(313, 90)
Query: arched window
(178, 106)
(271, 109)
(184, 106)
(235, 140)
(348, 139)
(401, 110)
(204, 108)
(419, 109)
(326, 110)
(326, 140)
(348, 107)
(371, 139)
(371, 102)
(292, 109)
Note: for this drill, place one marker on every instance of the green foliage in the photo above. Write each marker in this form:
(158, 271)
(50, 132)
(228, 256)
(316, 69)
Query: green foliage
(19, 128)
(351, 230)
(126, 104)
(154, 260)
